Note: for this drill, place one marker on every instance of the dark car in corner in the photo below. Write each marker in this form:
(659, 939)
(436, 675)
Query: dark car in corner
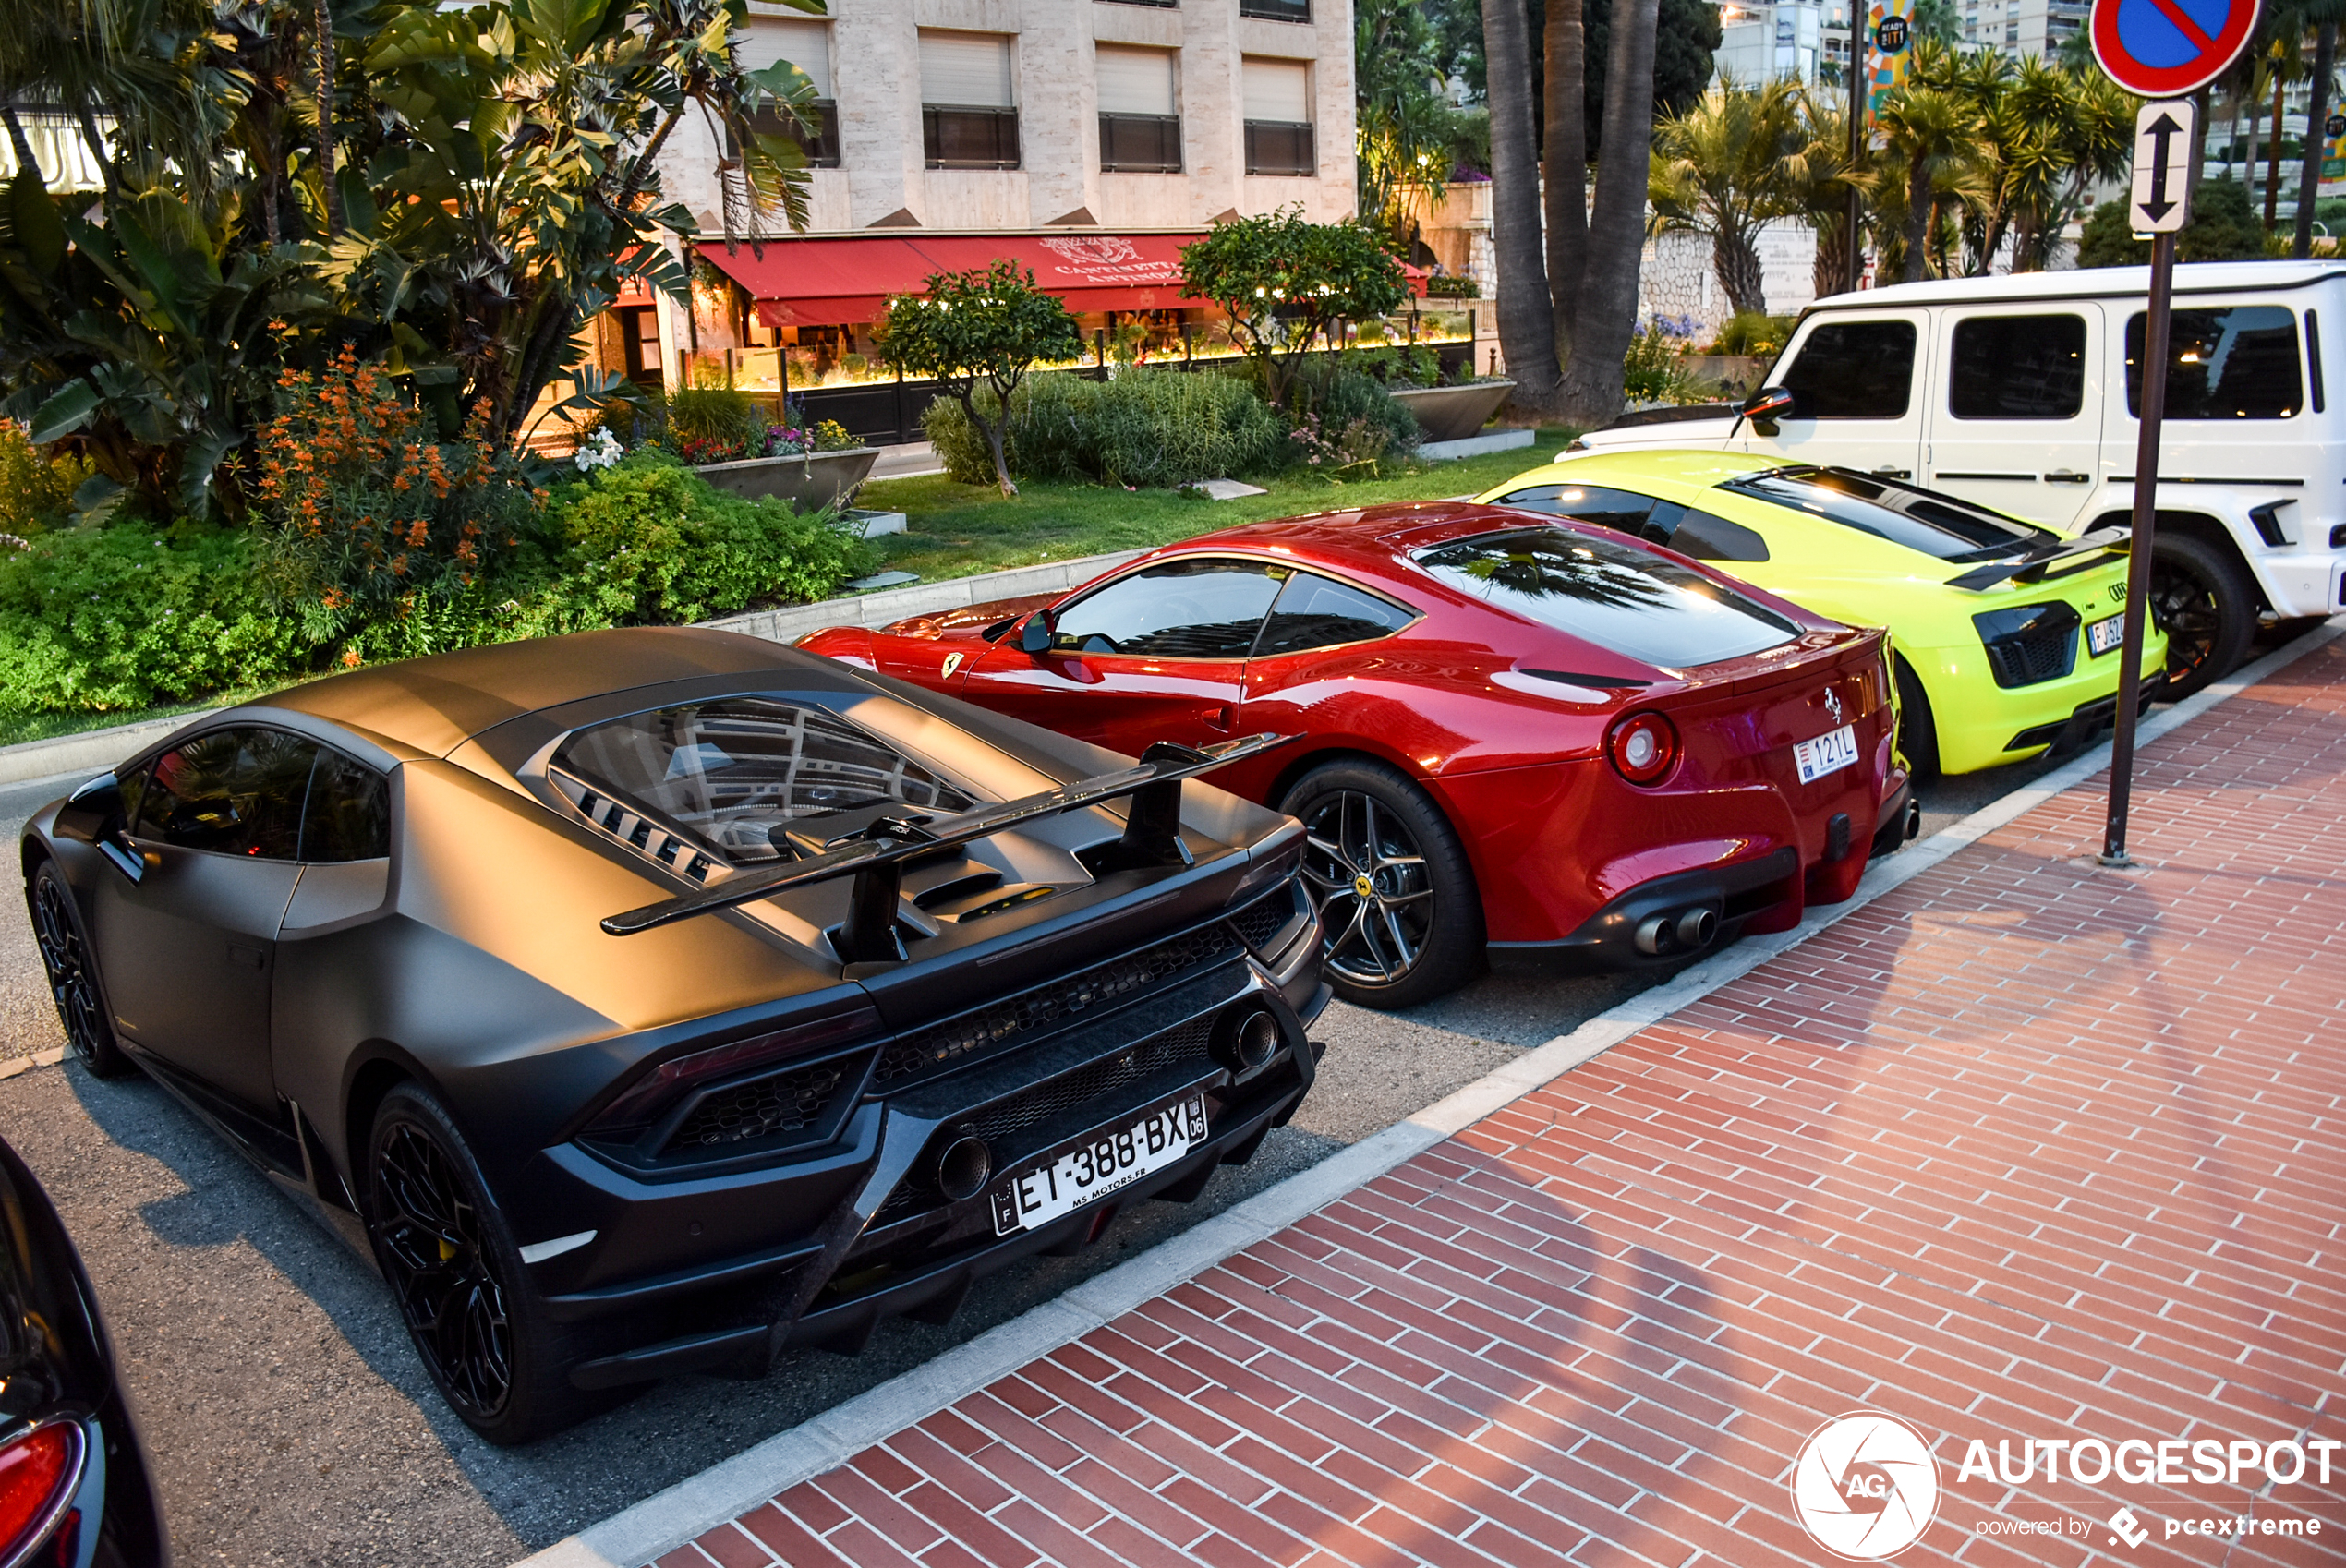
(75, 1489)
(652, 1001)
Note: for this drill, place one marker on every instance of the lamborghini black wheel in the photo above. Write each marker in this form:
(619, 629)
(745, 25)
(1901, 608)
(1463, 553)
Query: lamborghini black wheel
(72, 973)
(459, 1278)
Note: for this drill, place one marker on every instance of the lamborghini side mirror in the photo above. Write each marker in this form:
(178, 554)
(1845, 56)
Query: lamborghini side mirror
(96, 813)
(1035, 638)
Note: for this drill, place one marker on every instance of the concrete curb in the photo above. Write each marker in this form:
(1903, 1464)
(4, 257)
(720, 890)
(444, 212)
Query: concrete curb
(1475, 446)
(793, 621)
(668, 1519)
(91, 750)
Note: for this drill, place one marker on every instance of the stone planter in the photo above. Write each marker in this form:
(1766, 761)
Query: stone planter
(818, 479)
(1450, 413)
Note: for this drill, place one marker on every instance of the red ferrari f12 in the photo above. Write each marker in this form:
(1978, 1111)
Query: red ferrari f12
(1520, 737)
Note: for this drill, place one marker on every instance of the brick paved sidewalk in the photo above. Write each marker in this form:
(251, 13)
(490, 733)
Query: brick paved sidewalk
(2025, 1149)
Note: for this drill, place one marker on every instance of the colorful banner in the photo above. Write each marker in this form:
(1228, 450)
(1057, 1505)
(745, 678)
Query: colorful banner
(1889, 45)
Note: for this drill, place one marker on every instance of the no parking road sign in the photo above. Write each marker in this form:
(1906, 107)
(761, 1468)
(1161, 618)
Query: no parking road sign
(2166, 48)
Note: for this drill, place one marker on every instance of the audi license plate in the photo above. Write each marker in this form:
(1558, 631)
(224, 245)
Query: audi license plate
(1826, 753)
(2103, 636)
(1113, 1160)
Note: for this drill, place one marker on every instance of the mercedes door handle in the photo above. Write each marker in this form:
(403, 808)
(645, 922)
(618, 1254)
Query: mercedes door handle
(1893, 473)
(2067, 476)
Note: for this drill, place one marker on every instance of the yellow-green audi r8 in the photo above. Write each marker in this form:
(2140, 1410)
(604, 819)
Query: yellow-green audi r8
(2006, 634)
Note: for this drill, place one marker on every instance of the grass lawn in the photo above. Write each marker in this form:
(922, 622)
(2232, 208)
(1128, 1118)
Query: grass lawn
(954, 530)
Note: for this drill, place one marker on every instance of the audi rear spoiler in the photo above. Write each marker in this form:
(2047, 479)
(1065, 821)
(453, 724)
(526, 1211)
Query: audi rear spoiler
(2031, 571)
(877, 854)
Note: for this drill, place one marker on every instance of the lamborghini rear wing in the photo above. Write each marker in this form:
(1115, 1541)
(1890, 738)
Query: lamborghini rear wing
(875, 855)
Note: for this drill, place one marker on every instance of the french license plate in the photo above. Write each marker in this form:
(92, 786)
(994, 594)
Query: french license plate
(2103, 636)
(1111, 1161)
(1826, 753)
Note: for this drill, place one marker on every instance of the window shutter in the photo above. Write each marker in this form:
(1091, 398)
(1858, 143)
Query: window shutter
(971, 69)
(806, 45)
(1136, 81)
(1278, 90)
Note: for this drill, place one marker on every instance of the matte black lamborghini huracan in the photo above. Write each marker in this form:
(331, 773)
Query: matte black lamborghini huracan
(648, 1001)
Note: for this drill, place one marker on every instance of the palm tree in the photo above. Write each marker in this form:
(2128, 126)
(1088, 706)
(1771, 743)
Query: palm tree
(1606, 316)
(1930, 132)
(1566, 171)
(1820, 178)
(1527, 317)
(2323, 14)
(1730, 164)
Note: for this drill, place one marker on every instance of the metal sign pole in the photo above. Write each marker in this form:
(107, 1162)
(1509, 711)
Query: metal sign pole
(2129, 667)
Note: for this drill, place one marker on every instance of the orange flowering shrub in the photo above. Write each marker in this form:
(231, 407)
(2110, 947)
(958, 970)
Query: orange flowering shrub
(375, 511)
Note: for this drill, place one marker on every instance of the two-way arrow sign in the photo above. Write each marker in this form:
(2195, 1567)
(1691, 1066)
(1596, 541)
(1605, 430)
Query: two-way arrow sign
(2165, 136)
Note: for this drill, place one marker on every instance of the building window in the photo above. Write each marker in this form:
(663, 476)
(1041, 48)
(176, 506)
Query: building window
(807, 45)
(1276, 96)
(639, 344)
(969, 117)
(1140, 121)
(819, 141)
(1166, 4)
(1276, 10)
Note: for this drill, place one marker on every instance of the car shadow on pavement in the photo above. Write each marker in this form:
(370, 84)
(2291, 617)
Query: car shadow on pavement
(250, 1334)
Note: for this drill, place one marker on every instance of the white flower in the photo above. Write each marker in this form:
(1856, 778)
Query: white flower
(597, 451)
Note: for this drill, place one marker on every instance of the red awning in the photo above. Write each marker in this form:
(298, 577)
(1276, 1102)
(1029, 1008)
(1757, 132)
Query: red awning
(814, 283)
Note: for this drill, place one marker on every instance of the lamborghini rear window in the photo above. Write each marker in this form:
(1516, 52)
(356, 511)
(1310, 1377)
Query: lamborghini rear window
(734, 771)
(1609, 592)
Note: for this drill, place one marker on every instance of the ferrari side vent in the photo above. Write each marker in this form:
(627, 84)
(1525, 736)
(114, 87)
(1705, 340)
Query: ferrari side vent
(636, 830)
(981, 1029)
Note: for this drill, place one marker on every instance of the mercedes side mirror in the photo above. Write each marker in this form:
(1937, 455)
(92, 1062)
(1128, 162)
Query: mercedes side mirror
(1035, 638)
(1764, 407)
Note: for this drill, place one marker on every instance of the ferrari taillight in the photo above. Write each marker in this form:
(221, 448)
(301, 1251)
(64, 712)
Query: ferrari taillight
(37, 1472)
(1644, 747)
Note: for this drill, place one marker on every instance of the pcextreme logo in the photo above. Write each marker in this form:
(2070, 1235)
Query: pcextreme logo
(1865, 1486)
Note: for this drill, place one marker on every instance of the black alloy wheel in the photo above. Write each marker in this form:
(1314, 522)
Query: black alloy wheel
(73, 982)
(459, 1278)
(1397, 898)
(2205, 604)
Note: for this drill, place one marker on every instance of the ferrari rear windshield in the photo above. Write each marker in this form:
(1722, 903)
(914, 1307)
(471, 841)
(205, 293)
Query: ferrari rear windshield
(1610, 593)
(1936, 525)
(735, 771)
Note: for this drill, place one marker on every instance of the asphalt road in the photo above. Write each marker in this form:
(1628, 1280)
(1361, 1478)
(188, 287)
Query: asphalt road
(287, 1417)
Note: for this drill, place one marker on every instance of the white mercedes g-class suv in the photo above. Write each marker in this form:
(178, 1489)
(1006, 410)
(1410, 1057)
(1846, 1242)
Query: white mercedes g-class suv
(2020, 394)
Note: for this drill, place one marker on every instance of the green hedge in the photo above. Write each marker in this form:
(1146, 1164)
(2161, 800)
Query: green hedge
(1144, 428)
(129, 616)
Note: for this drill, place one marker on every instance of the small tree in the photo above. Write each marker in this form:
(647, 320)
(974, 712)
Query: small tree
(993, 324)
(1282, 282)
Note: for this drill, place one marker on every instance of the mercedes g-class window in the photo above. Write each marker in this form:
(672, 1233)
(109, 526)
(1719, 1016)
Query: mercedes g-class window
(1853, 370)
(2239, 363)
(1194, 609)
(2017, 368)
(1614, 595)
(735, 773)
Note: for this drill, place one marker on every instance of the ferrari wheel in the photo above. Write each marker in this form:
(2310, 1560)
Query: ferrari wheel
(2205, 603)
(73, 981)
(459, 1278)
(1395, 891)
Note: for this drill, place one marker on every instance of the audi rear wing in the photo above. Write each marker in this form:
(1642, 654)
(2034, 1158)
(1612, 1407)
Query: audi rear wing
(877, 854)
(2117, 540)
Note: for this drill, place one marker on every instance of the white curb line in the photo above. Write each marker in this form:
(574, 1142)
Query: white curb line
(668, 1519)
